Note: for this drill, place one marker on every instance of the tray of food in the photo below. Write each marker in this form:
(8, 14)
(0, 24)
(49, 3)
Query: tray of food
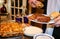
(10, 29)
(40, 18)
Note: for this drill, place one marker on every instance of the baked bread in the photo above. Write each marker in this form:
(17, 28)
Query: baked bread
(8, 29)
(54, 15)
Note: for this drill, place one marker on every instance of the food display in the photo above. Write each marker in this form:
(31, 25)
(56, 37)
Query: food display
(43, 19)
(34, 16)
(19, 25)
(10, 29)
(39, 17)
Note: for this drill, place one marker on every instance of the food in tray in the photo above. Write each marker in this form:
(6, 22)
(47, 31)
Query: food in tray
(54, 14)
(39, 17)
(10, 29)
(34, 16)
(43, 19)
(25, 25)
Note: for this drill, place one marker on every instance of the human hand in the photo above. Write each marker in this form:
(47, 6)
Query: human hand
(57, 21)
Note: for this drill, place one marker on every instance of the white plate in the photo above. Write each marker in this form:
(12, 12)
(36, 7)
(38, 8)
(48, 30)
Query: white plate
(31, 30)
(43, 36)
(50, 22)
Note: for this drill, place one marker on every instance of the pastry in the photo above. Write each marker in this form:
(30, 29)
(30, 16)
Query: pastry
(10, 29)
(54, 14)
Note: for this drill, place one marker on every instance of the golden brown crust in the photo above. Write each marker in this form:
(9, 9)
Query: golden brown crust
(10, 28)
(54, 14)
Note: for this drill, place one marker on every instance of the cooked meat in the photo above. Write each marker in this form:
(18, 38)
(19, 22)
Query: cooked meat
(40, 17)
(43, 19)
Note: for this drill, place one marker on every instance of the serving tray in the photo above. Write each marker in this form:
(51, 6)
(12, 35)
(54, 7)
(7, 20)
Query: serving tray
(35, 20)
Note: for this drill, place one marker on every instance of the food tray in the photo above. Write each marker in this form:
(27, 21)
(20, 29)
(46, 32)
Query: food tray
(35, 20)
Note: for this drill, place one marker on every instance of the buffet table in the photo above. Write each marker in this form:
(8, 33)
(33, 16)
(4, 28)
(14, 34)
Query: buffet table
(34, 23)
(19, 37)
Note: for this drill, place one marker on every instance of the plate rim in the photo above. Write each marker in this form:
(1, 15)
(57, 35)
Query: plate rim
(29, 34)
(50, 22)
(43, 34)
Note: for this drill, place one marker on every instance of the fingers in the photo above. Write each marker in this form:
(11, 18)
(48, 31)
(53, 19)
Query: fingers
(57, 19)
(57, 23)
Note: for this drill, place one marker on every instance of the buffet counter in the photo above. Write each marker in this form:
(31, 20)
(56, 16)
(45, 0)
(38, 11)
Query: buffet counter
(14, 28)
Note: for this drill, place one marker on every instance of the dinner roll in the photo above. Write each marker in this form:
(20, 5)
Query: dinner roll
(54, 14)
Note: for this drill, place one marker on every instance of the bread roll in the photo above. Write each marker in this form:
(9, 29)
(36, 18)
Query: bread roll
(54, 15)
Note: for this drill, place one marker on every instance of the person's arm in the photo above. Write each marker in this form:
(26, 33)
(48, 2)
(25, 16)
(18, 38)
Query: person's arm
(57, 20)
